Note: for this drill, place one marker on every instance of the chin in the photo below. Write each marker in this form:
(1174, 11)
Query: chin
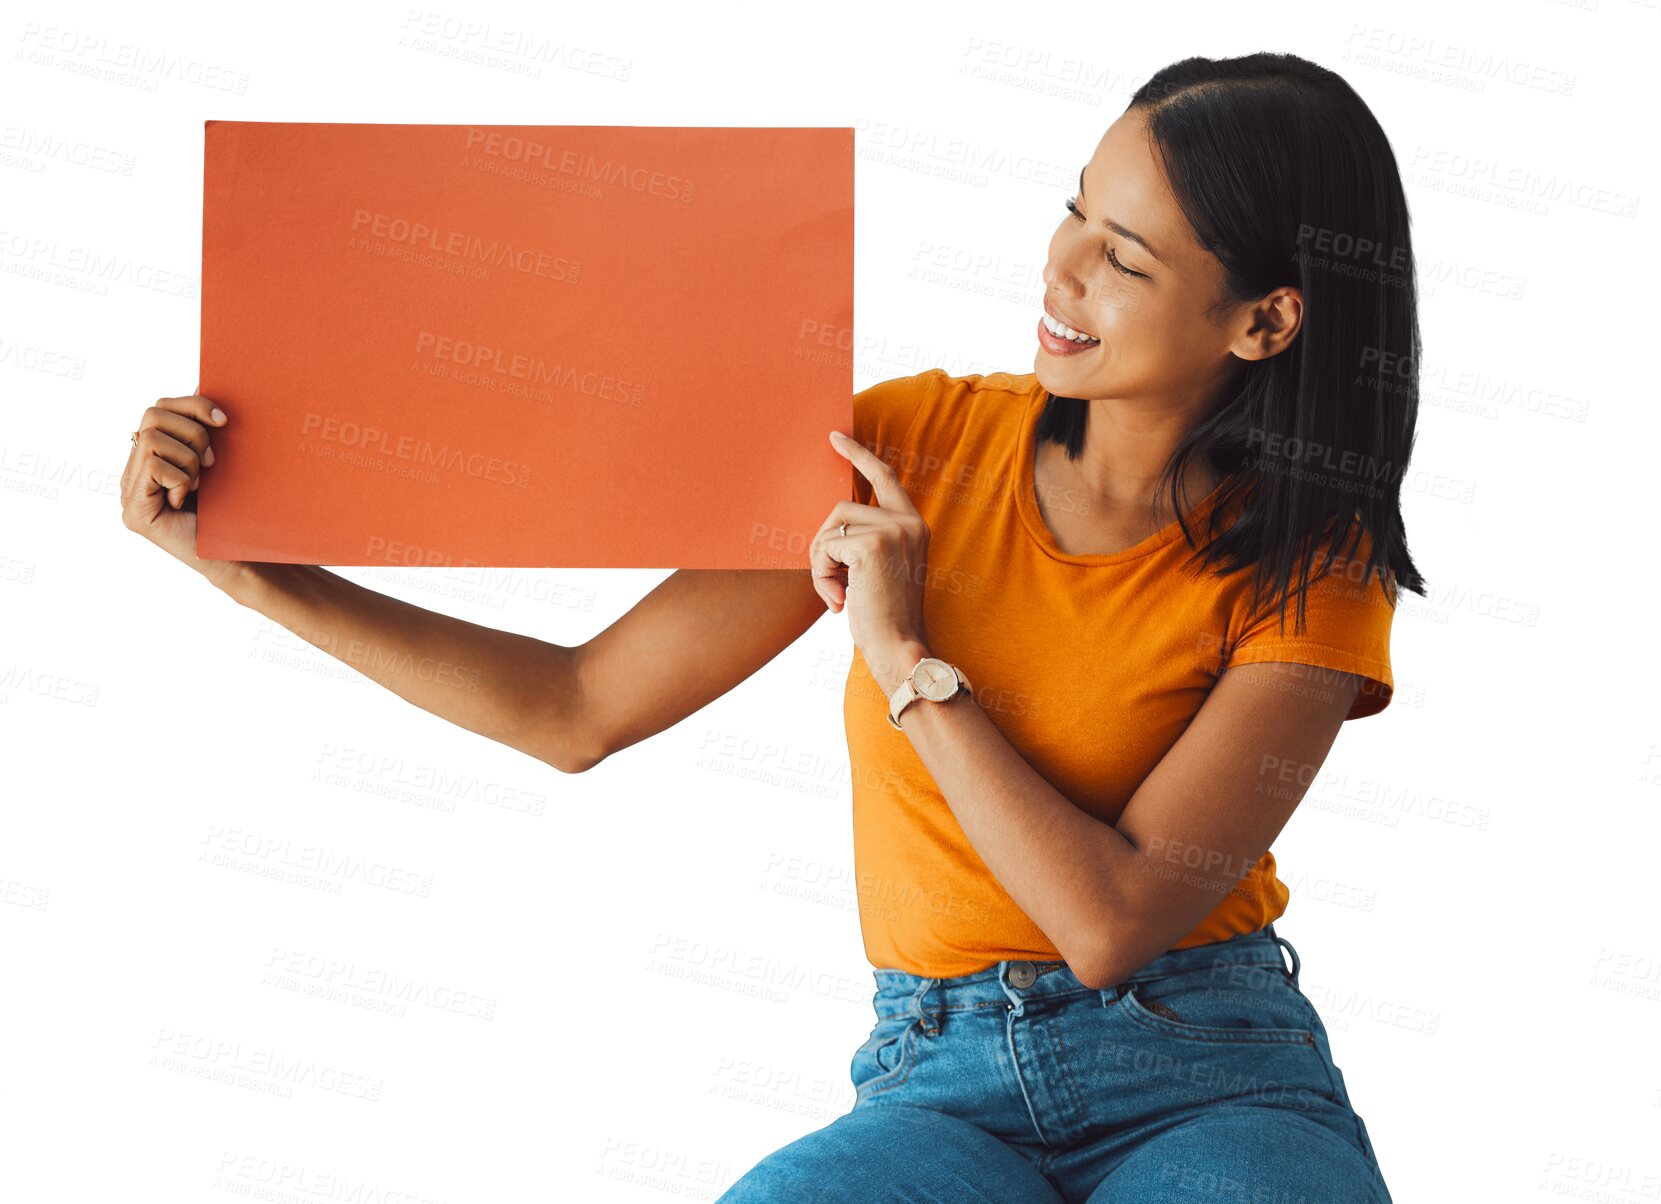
(1054, 377)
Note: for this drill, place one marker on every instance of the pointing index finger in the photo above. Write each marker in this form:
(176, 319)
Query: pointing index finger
(885, 482)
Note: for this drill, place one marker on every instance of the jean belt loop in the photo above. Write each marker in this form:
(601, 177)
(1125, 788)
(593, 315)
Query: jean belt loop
(1285, 944)
(929, 1023)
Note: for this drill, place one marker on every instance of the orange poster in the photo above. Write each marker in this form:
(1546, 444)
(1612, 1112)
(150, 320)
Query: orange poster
(540, 346)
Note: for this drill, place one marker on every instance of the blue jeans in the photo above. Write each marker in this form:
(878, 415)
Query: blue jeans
(1205, 1076)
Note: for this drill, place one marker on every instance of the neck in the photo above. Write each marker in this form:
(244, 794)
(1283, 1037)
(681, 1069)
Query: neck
(1125, 452)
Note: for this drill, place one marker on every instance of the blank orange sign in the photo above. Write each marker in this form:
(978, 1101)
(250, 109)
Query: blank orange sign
(548, 346)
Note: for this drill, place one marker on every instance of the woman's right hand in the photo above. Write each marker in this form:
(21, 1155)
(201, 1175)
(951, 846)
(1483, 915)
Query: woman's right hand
(162, 473)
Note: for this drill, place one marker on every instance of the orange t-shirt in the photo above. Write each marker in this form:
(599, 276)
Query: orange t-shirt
(1091, 666)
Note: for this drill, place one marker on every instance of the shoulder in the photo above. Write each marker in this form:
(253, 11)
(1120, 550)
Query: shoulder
(888, 414)
(885, 411)
(932, 421)
(1349, 611)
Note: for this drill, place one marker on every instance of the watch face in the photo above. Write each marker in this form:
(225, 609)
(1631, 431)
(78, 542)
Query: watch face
(935, 679)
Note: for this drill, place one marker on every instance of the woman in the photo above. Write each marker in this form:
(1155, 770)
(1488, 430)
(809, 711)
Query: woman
(1079, 714)
(1063, 871)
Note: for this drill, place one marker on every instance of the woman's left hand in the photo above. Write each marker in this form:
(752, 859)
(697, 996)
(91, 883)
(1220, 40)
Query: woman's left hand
(877, 570)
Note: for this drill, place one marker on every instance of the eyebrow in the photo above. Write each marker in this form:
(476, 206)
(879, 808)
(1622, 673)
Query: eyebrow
(1114, 226)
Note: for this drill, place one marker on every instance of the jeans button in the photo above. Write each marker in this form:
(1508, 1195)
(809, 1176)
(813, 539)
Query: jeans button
(1022, 974)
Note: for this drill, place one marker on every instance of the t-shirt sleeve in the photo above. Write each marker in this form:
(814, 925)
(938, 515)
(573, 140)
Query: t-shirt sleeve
(884, 417)
(1347, 623)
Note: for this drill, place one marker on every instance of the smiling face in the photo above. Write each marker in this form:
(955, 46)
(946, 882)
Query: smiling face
(1124, 267)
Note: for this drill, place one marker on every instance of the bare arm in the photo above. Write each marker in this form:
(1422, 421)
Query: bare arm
(696, 636)
(693, 638)
(488, 681)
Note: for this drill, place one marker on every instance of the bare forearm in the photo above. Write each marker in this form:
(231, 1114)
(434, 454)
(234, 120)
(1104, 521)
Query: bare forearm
(510, 688)
(1059, 864)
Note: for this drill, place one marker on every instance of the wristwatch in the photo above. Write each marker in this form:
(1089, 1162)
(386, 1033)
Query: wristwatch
(930, 678)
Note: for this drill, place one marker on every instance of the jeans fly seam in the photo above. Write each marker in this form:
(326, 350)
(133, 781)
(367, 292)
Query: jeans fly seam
(1021, 1079)
(1066, 1075)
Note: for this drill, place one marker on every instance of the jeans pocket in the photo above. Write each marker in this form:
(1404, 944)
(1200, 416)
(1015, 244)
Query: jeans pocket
(1224, 1005)
(885, 1057)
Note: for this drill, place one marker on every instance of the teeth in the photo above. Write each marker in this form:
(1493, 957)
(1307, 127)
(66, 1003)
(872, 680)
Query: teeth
(1067, 332)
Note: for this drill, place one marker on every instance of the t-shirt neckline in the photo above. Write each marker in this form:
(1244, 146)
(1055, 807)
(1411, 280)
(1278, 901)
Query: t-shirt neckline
(1026, 501)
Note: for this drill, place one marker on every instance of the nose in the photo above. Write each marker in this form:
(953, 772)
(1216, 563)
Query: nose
(1065, 283)
(1059, 273)
(1070, 264)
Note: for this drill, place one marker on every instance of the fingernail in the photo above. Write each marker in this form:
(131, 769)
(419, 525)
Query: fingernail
(218, 414)
(838, 436)
(207, 456)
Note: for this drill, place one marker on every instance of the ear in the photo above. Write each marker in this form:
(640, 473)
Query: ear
(1268, 325)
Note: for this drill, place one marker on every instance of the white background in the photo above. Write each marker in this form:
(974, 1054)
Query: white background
(668, 945)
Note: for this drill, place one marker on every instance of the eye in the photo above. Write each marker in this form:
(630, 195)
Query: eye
(1111, 257)
(1114, 260)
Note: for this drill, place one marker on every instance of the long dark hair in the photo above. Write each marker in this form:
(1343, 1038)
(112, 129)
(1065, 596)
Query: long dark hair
(1287, 178)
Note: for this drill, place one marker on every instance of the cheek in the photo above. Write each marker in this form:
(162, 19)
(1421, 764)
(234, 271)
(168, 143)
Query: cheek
(1116, 304)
